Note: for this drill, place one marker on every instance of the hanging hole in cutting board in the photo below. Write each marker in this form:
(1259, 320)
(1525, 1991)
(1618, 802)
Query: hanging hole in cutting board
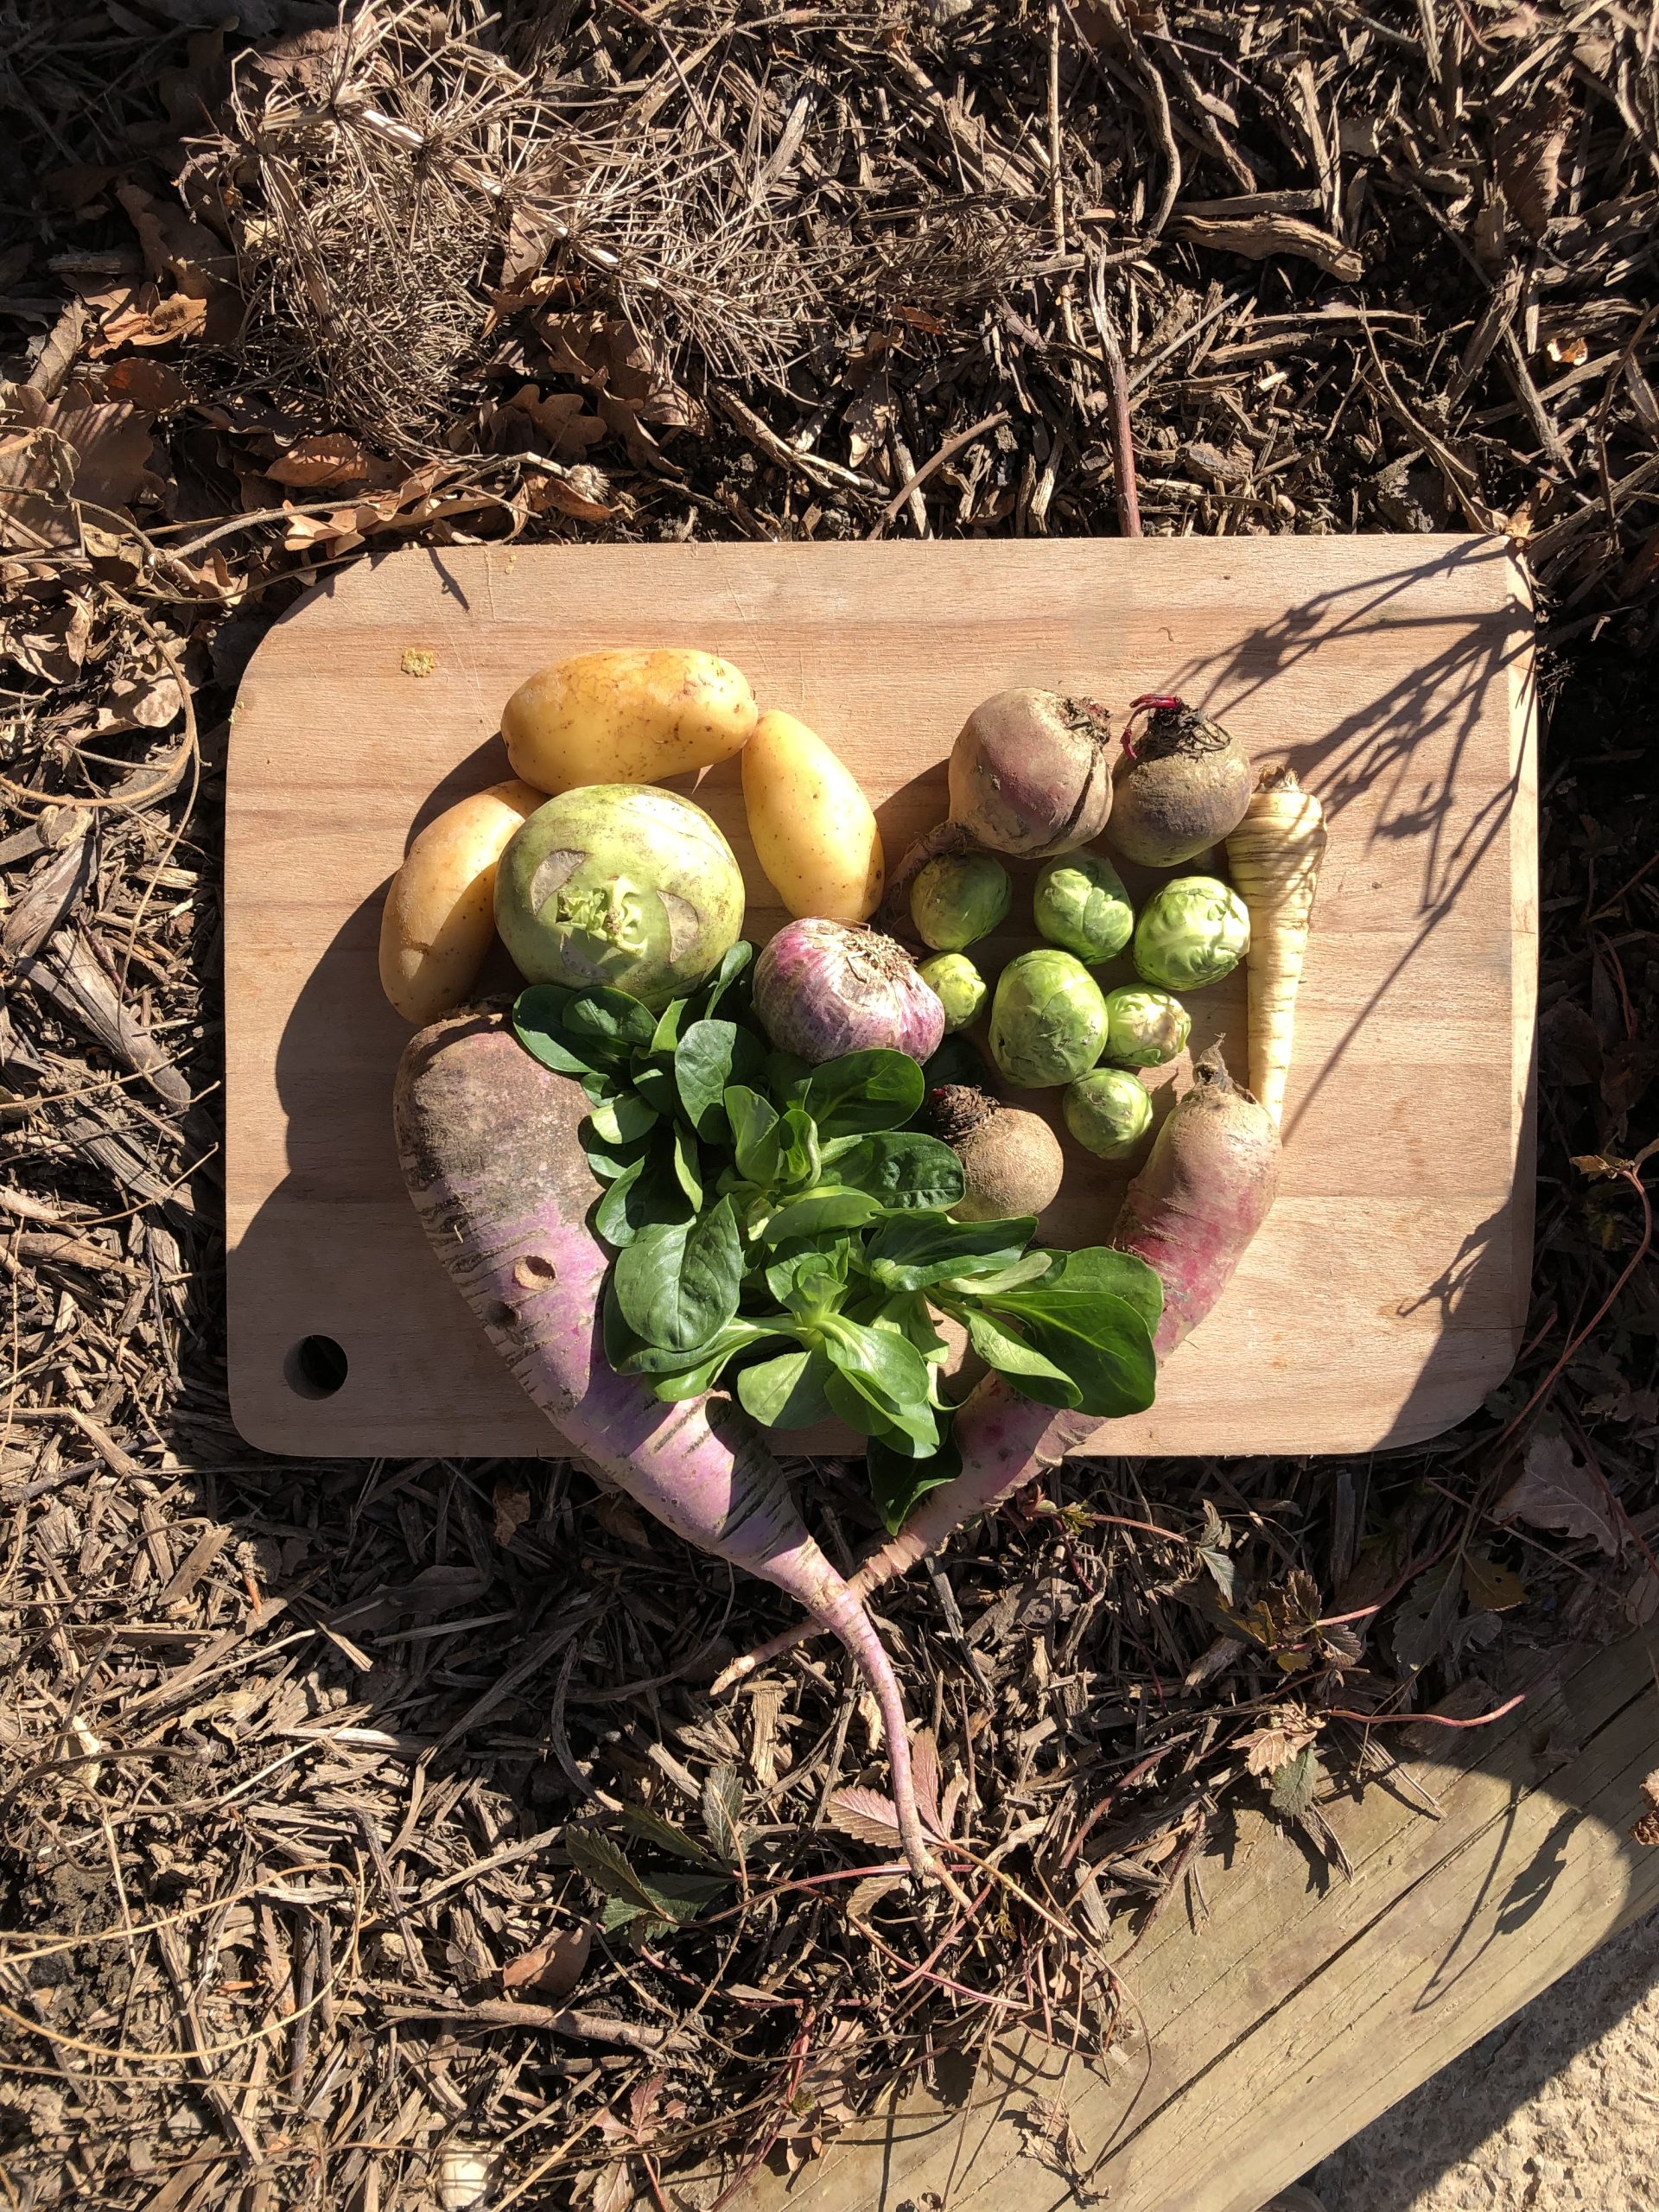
(316, 1367)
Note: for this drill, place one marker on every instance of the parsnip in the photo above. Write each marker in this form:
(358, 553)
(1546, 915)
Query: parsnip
(1274, 856)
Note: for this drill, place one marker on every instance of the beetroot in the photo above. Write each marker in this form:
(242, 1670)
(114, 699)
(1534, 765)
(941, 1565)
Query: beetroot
(1182, 784)
(1028, 775)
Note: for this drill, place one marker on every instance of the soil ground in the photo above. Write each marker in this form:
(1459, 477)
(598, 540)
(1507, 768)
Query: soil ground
(1557, 2109)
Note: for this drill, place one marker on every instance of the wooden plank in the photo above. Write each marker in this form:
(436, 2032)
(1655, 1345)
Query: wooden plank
(1302, 2005)
(1385, 1296)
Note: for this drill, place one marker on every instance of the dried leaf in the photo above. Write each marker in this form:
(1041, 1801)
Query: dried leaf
(723, 1813)
(865, 1815)
(510, 1500)
(868, 1893)
(1647, 1828)
(319, 463)
(1213, 1542)
(1527, 151)
(557, 424)
(1555, 1491)
(1491, 1588)
(1283, 1736)
(1258, 237)
(554, 1966)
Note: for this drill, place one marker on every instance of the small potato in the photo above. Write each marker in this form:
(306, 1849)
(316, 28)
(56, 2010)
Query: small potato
(626, 716)
(813, 830)
(439, 918)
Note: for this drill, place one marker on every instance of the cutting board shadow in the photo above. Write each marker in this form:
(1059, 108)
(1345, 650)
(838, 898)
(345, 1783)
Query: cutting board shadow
(1385, 1296)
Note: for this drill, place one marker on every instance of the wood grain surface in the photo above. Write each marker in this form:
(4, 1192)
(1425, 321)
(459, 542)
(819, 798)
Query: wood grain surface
(1386, 1294)
(1310, 2000)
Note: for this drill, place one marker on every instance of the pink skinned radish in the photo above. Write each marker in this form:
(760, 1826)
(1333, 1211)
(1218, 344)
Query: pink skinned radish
(1190, 1214)
(487, 1140)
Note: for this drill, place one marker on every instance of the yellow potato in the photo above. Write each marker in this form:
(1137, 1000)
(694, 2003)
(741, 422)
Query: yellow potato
(439, 918)
(813, 830)
(627, 716)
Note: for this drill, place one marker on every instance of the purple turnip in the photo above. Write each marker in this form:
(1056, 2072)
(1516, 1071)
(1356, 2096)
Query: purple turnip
(487, 1139)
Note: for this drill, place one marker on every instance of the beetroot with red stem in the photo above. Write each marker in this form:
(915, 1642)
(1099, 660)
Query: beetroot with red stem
(1181, 785)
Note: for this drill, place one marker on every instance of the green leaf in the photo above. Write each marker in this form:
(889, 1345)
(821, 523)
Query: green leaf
(903, 1170)
(798, 1149)
(898, 1484)
(907, 1312)
(1032, 1269)
(611, 1022)
(539, 1024)
(1099, 1269)
(1295, 1783)
(787, 1391)
(787, 1075)
(591, 1852)
(885, 1372)
(1036, 1375)
(622, 1118)
(641, 1820)
(712, 1057)
(753, 1124)
(636, 1358)
(910, 1251)
(819, 1213)
(645, 1195)
(677, 1284)
(670, 1023)
(620, 1341)
(735, 962)
(914, 1429)
(810, 1283)
(688, 1171)
(608, 1161)
(1102, 1344)
(861, 1092)
(653, 1079)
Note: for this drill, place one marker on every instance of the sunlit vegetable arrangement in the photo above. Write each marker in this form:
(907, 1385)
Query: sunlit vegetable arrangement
(697, 1192)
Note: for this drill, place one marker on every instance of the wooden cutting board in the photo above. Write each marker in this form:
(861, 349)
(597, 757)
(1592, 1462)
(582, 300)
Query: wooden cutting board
(1386, 1294)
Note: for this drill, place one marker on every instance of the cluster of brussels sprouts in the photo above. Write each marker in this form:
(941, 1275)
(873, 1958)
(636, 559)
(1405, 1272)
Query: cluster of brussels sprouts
(1051, 1022)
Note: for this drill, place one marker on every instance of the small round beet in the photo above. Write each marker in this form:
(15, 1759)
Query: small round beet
(1182, 784)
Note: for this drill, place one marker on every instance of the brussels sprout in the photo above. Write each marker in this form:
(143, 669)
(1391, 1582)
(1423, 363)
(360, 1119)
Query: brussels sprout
(1048, 1019)
(957, 898)
(1080, 903)
(1144, 1028)
(1192, 932)
(620, 884)
(1108, 1111)
(957, 985)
